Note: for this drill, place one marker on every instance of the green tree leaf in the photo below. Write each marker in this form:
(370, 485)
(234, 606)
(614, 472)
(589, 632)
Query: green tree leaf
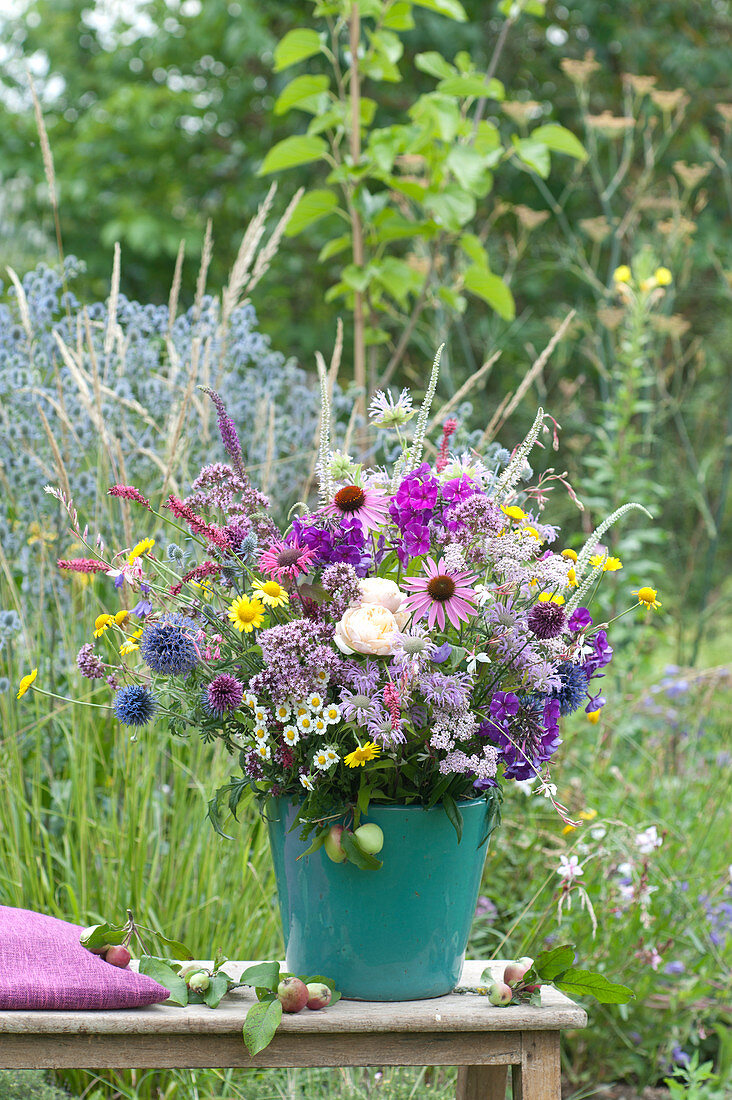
(492, 289)
(468, 168)
(160, 972)
(101, 934)
(295, 46)
(583, 983)
(472, 84)
(311, 207)
(303, 92)
(399, 16)
(300, 149)
(451, 8)
(534, 154)
(218, 988)
(559, 140)
(260, 1025)
(434, 64)
(263, 974)
(451, 208)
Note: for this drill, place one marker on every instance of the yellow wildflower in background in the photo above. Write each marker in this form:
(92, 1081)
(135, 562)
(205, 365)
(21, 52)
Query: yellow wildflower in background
(36, 533)
(593, 716)
(101, 623)
(26, 682)
(271, 593)
(120, 617)
(246, 614)
(647, 597)
(142, 547)
(368, 751)
(609, 565)
(622, 274)
(128, 647)
(663, 276)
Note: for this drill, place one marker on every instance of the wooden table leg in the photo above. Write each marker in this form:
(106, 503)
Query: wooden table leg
(482, 1082)
(539, 1076)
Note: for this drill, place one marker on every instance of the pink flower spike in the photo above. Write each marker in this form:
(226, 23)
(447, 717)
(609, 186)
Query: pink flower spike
(368, 506)
(81, 565)
(441, 591)
(128, 492)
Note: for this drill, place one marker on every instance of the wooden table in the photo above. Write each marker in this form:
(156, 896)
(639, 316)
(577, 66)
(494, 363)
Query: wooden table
(461, 1030)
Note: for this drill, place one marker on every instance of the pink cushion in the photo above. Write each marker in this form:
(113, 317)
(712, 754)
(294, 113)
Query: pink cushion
(43, 966)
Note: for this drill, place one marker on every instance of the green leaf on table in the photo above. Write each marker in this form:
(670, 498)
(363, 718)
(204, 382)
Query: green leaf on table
(357, 855)
(177, 949)
(295, 46)
(160, 972)
(264, 973)
(260, 1025)
(305, 89)
(583, 983)
(492, 289)
(311, 207)
(291, 151)
(454, 816)
(549, 964)
(559, 140)
(218, 988)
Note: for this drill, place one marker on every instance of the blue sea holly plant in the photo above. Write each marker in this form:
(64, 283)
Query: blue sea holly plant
(415, 636)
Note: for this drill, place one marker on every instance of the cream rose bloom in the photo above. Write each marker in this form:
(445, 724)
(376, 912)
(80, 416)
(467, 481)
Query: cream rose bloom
(369, 628)
(379, 590)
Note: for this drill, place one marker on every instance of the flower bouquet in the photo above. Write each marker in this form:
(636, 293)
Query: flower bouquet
(413, 640)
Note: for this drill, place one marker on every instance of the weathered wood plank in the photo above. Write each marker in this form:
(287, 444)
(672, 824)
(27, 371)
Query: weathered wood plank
(482, 1082)
(159, 1051)
(538, 1076)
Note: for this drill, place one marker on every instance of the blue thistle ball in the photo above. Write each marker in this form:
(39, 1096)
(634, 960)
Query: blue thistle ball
(571, 694)
(135, 705)
(166, 645)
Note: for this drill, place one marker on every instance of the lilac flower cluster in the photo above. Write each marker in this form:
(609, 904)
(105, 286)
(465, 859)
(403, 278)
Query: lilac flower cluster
(293, 654)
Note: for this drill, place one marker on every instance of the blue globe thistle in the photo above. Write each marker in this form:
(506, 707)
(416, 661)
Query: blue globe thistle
(135, 705)
(167, 645)
(571, 694)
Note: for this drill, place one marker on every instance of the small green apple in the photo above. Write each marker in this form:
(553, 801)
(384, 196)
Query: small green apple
(370, 837)
(332, 845)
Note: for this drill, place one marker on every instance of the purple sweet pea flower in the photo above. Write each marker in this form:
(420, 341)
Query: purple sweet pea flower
(597, 702)
(441, 653)
(579, 620)
(602, 655)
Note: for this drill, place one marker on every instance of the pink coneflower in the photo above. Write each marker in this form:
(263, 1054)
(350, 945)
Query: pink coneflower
(369, 507)
(283, 559)
(442, 590)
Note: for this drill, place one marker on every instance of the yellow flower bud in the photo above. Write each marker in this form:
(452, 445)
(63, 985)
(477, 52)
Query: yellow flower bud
(663, 276)
(622, 274)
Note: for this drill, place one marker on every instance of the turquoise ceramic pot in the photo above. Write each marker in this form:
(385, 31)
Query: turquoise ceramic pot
(396, 934)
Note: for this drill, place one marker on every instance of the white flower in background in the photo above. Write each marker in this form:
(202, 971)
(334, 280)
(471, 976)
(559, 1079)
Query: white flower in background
(325, 758)
(385, 412)
(261, 715)
(474, 659)
(321, 676)
(250, 701)
(647, 841)
(569, 868)
(482, 594)
(305, 723)
(332, 755)
(319, 724)
(526, 786)
(315, 702)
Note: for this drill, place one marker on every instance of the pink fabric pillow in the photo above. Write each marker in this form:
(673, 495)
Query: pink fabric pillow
(43, 966)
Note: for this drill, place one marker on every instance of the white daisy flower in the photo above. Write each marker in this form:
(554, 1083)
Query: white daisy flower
(319, 724)
(250, 701)
(261, 715)
(332, 755)
(291, 735)
(332, 714)
(282, 712)
(321, 761)
(321, 676)
(261, 733)
(307, 782)
(316, 702)
(263, 751)
(300, 709)
(305, 723)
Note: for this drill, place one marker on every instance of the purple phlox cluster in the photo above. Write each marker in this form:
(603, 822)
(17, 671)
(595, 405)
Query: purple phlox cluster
(458, 489)
(332, 541)
(719, 916)
(411, 508)
(579, 620)
(485, 908)
(89, 663)
(525, 729)
(340, 581)
(600, 656)
(293, 654)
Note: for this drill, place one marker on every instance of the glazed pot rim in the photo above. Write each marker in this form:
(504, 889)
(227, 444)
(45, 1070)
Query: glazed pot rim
(401, 806)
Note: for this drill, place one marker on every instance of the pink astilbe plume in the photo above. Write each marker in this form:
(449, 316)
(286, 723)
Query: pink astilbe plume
(129, 492)
(448, 428)
(206, 569)
(81, 565)
(208, 531)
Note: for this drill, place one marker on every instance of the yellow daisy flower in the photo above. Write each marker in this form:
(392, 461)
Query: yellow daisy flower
(571, 555)
(101, 623)
(513, 511)
(647, 597)
(532, 532)
(368, 751)
(120, 617)
(128, 647)
(271, 593)
(142, 547)
(26, 682)
(609, 565)
(246, 614)
(545, 597)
